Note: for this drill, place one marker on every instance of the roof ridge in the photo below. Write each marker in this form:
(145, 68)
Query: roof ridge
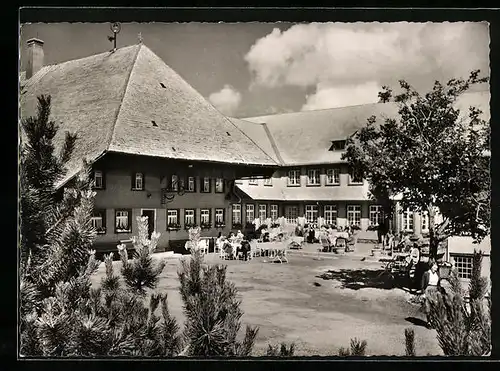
(315, 110)
(273, 143)
(125, 87)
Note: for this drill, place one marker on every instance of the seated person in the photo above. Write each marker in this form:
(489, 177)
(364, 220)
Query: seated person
(239, 235)
(244, 248)
(228, 248)
(265, 237)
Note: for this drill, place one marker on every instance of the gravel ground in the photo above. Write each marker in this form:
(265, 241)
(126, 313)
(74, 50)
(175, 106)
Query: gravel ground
(289, 302)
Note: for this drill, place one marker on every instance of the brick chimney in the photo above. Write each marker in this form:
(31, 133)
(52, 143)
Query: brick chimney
(35, 57)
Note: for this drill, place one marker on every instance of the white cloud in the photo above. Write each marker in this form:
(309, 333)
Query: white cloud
(342, 96)
(338, 55)
(226, 100)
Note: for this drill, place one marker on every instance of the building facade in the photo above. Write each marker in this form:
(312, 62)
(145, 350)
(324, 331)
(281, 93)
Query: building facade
(157, 147)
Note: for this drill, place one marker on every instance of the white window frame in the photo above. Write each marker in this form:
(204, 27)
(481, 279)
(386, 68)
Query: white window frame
(236, 211)
(219, 185)
(333, 176)
(191, 215)
(312, 213)
(268, 181)
(253, 181)
(262, 212)
(120, 216)
(291, 217)
(138, 182)
(206, 184)
(463, 264)
(249, 213)
(98, 174)
(274, 212)
(330, 213)
(352, 180)
(407, 220)
(191, 184)
(205, 216)
(354, 215)
(293, 178)
(376, 215)
(313, 177)
(98, 222)
(219, 216)
(172, 216)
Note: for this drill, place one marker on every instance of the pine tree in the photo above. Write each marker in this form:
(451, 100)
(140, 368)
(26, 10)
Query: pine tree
(211, 309)
(61, 315)
(282, 351)
(463, 326)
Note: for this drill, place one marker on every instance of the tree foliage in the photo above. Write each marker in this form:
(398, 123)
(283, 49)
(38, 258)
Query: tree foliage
(432, 155)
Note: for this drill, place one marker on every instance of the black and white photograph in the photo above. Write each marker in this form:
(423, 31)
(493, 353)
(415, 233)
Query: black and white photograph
(248, 190)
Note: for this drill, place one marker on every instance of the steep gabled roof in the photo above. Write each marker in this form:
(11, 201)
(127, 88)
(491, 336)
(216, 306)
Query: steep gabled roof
(111, 100)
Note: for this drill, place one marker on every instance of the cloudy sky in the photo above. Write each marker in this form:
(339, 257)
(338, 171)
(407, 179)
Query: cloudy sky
(255, 69)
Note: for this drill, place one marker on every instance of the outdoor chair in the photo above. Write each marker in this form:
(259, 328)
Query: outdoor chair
(326, 247)
(340, 243)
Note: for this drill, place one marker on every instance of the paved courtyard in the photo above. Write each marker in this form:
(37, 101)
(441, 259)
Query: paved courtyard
(290, 303)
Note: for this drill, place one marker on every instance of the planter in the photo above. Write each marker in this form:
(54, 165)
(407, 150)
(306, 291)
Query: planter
(376, 253)
(340, 250)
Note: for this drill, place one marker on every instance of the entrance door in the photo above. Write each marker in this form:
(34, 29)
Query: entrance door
(150, 213)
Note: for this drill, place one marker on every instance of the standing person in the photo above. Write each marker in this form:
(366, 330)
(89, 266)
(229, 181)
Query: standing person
(430, 285)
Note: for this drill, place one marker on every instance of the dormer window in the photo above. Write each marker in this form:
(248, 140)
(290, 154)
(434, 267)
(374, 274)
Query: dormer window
(253, 181)
(337, 145)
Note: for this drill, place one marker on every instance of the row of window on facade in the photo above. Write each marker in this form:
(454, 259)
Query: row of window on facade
(313, 178)
(123, 219)
(174, 183)
(311, 213)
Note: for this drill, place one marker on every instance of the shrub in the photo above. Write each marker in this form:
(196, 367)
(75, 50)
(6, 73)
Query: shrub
(410, 342)
(463, 328)
(281, 351)
(357, 348)
(212, 311)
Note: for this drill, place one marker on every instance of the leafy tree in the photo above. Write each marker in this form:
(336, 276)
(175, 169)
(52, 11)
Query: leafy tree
(432, 156)
(212, 310)
(463, 322)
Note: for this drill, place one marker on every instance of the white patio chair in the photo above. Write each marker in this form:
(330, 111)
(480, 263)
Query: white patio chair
(203, 246)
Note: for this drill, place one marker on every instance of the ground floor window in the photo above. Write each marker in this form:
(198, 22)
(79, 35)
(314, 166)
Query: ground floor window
(291, 214)
(123, 221)
(250, 213)
(172, 217)
(354, 214)
(331, 214)
(236, 214)
(205, 216)
(407, 220)
(99, 221)
(262, 212)
(274, 212)
(311, 213)
(376, 215)
(463, 265)
(189, 217)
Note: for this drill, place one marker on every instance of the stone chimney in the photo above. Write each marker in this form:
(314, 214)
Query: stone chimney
(34, 56)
